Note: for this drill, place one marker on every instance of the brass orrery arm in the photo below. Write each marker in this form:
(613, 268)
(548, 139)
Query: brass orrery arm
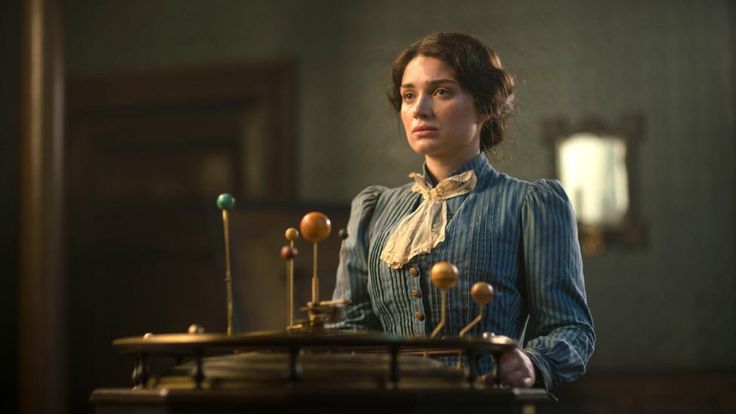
(444, 275)
(482, 293)
(226, 202)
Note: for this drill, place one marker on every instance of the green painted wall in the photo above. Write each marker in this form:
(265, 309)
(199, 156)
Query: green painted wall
(669, 305)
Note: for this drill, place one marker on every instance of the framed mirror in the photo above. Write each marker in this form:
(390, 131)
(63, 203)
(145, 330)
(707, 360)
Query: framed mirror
(596, 163)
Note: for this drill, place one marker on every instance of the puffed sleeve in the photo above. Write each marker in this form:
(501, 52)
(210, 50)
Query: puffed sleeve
(560, 330)
(352, 273)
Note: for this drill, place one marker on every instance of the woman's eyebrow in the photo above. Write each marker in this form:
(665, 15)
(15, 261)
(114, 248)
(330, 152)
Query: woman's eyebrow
(431, 83)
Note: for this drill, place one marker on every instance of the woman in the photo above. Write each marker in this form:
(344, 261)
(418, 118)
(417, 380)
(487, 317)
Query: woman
(453, 98)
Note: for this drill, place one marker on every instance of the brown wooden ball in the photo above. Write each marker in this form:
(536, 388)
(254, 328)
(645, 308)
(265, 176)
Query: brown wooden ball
(288, 252)
(291, 234)
(444, 275)
(481, 293)
(315, 226)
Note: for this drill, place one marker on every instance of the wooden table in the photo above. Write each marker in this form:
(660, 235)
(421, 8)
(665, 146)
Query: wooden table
(326, 400)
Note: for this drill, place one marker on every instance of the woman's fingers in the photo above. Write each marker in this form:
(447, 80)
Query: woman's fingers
(517, 370)
(518, 378)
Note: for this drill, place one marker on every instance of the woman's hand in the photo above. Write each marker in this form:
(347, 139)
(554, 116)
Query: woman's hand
(517, 370)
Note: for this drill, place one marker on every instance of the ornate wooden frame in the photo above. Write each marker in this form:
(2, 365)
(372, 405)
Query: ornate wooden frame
(632, 233)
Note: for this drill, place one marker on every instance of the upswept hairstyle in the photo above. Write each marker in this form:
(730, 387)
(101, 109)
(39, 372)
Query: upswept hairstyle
(478, 70)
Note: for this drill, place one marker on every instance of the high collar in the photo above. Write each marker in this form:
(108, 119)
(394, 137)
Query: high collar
(480, 164)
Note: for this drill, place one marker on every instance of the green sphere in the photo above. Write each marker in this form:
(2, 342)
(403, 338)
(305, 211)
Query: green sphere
(225, 201)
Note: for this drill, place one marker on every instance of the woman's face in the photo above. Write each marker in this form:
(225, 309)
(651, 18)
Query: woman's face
(439, 116)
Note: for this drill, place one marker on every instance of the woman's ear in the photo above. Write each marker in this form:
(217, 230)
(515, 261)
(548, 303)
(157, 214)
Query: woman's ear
(483, 118)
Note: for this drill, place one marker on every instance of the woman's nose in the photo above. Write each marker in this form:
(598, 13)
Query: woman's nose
(423, 106)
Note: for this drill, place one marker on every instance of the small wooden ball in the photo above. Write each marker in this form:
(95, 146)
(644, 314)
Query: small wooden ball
(481, 293)
(195, 329)
(315, 226)
(291, 234)
(444, 275)
(288, 252)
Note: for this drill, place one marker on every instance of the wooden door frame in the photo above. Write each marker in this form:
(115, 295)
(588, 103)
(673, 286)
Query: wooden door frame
(268, 85)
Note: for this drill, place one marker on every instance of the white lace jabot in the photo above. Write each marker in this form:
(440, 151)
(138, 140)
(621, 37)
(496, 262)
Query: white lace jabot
(424, 229)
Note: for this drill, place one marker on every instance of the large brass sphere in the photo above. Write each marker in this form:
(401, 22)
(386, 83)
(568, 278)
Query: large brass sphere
(444, 275)
(481, 293)
(315, 226)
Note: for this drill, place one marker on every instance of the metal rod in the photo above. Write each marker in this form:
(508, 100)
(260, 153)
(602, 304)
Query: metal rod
(472, 323)
(294, 366)
(288, 294)
(443, 314)
(394, 367)
(137, 369)
(228, 278)
(290, 285)
(496, 356)
(467, 329)
(472, 368)
(315, 279)
(198, 373)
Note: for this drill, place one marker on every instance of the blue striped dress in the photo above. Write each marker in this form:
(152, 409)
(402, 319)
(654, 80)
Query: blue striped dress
(518, 236)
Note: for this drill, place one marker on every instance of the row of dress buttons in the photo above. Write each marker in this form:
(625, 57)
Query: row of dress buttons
(414, 272)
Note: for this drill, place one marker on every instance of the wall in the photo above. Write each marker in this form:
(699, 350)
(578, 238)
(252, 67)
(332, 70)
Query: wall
(670, 304)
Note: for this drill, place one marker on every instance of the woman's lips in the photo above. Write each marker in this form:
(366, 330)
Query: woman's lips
(424, 131)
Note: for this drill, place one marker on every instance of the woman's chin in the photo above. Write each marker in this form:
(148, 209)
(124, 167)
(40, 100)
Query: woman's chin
(426, 147)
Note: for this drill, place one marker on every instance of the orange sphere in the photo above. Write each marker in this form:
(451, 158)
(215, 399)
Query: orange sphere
(444, 275)
(481, 293)
(315, 226)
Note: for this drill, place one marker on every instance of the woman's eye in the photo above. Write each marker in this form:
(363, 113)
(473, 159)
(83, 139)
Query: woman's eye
(407, 96)
(442, 92)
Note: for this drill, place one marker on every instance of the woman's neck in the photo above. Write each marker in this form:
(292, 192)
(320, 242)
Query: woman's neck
(441, 167)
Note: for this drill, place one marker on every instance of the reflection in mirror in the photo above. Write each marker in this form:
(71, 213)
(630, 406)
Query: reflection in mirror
(596, 166)
(593, 172)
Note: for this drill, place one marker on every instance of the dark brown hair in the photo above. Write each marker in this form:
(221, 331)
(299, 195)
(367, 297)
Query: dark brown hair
(478, 70)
